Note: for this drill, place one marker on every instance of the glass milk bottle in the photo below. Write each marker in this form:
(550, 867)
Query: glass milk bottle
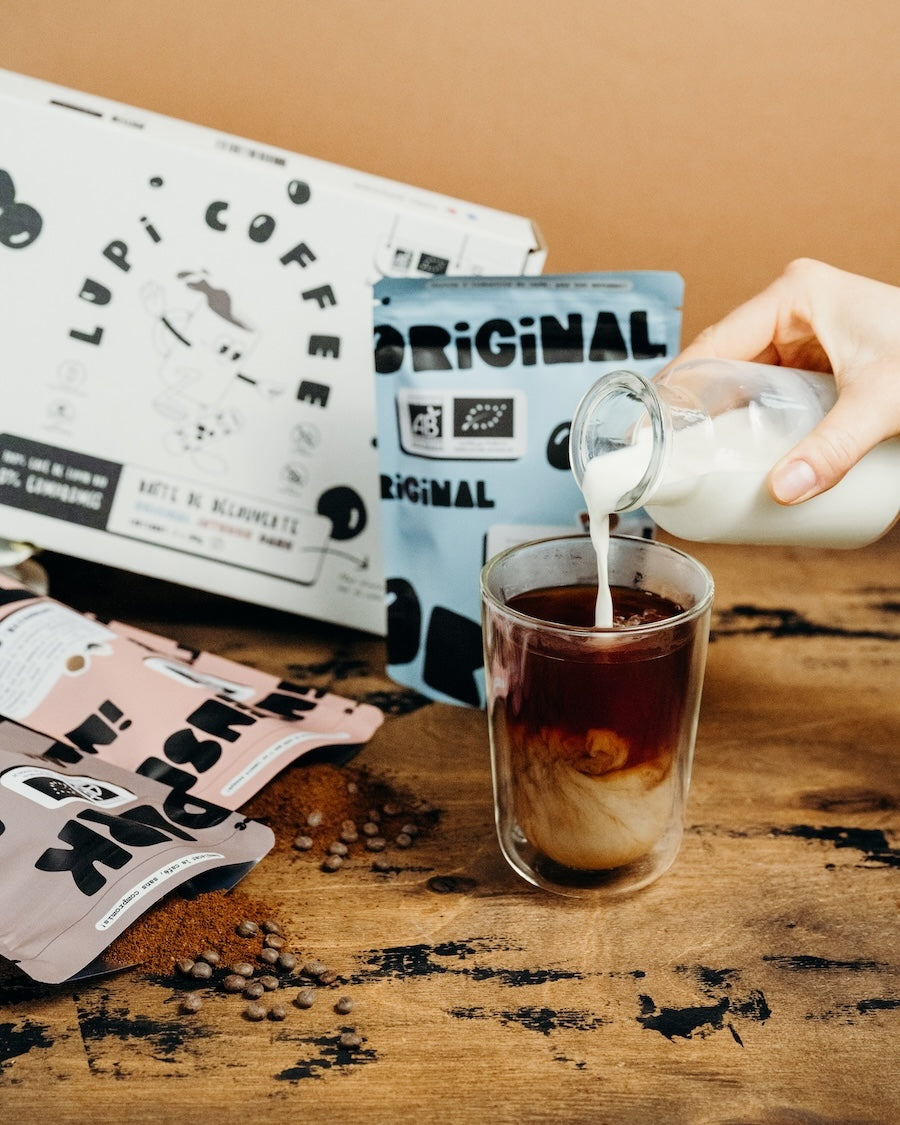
(694, 447)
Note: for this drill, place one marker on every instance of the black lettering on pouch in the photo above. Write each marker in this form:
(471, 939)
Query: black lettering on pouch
(87, 848)
(139, 827)
(96, 731)
(436, 493)
(289, 706)
(499, 342)
(179, 805)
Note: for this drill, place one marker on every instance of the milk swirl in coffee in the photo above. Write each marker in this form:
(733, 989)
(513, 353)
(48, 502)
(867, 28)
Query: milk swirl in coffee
(593, 741)
(592, 796)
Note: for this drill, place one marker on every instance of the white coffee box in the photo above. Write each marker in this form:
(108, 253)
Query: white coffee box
(186, 347)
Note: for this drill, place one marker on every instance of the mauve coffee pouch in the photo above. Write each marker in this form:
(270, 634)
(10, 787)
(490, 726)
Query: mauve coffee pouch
(87, 847)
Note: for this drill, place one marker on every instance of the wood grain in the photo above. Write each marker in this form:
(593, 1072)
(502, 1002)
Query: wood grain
(757, 983)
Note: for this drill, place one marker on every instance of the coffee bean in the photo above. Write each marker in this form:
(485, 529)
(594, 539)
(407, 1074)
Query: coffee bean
(210, 956)
(313, 969)
(391, 808)
(376, 844)
(191, 1002)
(255, 1011)
(328, 977)
(315, 819)
(287, 961)
(370, 828)
(248, 928)
(352, 787)
(349, 836)
(242, 969)
(269, 982)
(348, 825)
(201, 970)
(349, 1040)
(305, 998)
(184, 966)
(234, 983)
(403, 840)
(338, 848)
(277, 1012)
(344, 1005)
(269, 956)
(332, 863)
(303, 843)
(410, 830)
(273, 941)
(254, 989)
(272, 927)
(382, 864)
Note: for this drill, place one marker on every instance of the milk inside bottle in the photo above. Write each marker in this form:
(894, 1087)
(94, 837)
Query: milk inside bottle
(694, 447)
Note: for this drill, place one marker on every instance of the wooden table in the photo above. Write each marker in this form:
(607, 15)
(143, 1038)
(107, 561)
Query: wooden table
(757, 982)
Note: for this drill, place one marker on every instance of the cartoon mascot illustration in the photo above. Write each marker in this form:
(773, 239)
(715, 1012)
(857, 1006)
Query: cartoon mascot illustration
(204, 346)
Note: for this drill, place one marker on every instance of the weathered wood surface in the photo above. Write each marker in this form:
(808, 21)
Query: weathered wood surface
(757, 982)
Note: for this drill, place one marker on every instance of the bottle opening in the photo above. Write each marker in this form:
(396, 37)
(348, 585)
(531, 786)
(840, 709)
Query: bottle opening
(619, 420)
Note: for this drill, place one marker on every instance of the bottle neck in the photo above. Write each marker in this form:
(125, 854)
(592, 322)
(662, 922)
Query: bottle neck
(624, 427)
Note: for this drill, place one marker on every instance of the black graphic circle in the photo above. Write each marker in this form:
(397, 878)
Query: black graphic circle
(558, 447)
(346, 510)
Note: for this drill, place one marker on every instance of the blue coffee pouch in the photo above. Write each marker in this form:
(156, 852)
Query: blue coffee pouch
(477, 380)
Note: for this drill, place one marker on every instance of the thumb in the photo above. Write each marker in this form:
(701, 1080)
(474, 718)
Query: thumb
(826, 454)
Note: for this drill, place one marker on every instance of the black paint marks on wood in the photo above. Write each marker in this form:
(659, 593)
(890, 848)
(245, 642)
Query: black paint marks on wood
(878, 1004)
(868, 1006)
(541, 1020)
(847, 800)
(872, 842)
(98, 1021)
(423, 960)
(329, 1055)
(710, 979)
(683, 1022)
(703, 1019)
(779, 622)
(805, 963)
(19, 1038)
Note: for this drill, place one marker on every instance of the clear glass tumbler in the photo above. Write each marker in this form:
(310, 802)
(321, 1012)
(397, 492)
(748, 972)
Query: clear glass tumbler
(592, 730)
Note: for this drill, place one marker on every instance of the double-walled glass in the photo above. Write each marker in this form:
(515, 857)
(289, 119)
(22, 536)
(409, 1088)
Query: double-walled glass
(592, 730)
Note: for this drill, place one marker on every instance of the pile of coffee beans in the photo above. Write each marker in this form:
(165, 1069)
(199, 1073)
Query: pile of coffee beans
(275, 980)
(374, 834)
(332, 815)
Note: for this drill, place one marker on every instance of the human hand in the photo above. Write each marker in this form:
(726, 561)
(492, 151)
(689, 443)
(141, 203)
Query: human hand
(819, 318)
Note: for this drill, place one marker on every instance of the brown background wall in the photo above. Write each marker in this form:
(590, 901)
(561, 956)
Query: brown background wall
(719, 138)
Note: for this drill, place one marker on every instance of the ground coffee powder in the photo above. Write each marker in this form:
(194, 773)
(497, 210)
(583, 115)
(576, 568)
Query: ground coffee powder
(178, 927)
(318, 800)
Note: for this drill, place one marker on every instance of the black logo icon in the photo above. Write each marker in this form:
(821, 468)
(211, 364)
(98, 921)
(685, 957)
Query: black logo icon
(20, 223)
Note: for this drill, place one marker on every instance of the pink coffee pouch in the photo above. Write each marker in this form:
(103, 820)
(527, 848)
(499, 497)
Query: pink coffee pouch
(190, 720)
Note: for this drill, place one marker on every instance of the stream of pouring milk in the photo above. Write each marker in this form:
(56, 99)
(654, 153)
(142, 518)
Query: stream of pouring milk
(713, 487)
(604, 482)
